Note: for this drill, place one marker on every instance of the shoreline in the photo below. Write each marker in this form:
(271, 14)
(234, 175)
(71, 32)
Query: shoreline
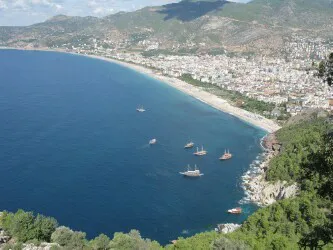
(212, 100)
(257, 189)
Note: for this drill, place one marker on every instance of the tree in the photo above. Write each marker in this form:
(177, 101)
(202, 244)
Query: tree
(44, 227)
(102, 242)
(132, 240)
(325, 70)
(68, 238)
(62, 235)
(227, 244)
(317, 238)
(321, 164)
(22, 226)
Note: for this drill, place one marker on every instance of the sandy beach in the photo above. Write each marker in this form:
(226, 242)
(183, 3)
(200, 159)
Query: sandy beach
(208, 98)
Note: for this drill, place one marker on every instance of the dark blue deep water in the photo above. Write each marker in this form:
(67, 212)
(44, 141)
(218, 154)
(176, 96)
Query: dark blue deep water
(72, 146)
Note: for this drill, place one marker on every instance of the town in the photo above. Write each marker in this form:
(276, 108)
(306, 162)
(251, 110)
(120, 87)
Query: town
(286, 79)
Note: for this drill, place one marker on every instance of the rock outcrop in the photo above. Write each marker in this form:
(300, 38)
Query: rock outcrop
(276, 191)
(257, 189)
(42, 246)
(227, 228)
(3, 237)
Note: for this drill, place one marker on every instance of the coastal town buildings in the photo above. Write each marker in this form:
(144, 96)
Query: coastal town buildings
(267, 79)
(288, 77)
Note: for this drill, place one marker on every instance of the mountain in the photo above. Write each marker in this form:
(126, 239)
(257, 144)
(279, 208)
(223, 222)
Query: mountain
(187, 26)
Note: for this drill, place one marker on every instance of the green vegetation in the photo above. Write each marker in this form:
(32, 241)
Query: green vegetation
(299, 141)
(281, 225)
(25, 227)
(325, 70)
(236, 98)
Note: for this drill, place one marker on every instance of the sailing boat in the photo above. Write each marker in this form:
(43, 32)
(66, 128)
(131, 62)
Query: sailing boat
(140, 109)
(201, 152)
(191, 173)
(226, 155)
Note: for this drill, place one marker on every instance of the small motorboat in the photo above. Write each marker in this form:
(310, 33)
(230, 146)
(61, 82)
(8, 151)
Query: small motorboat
(236, 210)
(140, 109)
(152, 141)
(189, 145)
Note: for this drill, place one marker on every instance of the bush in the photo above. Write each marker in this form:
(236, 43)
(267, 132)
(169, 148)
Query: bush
(44, 227)
(227, 244)
(102, 242)
(68, 238)
(24, 226)
(132, 240)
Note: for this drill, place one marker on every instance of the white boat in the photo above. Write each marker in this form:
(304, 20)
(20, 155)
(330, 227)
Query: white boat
(201, 152)
(236, 210)
(192, 173)
(152, 141)
(226, 155)
(189, 145)
(140, 109)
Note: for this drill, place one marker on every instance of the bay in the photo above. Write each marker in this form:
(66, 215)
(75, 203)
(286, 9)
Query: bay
(72, 146)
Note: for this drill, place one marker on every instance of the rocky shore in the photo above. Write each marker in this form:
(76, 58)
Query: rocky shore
(257, 189)
(227, 227)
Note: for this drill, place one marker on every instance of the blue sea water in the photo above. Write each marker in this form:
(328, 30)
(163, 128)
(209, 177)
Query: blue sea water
(72, 146)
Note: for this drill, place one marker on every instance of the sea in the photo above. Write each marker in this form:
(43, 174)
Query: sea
(73, 146)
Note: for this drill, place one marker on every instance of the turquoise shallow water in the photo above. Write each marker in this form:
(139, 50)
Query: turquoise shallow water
(73, 146)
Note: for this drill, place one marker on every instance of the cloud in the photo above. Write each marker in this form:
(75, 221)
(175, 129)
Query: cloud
(102, 7)
(25, 12)
(25, 5)
(3, 5)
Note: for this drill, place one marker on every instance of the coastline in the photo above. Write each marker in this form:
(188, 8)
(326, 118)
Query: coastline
(256, 188)
(201, 95)
(212, 100)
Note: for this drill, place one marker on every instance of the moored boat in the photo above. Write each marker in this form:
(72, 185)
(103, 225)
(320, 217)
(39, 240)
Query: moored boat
(191, 173)
(201, 152)
(226, 155)
(236, 210)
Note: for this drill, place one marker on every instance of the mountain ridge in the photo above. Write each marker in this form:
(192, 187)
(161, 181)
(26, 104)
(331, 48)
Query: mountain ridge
(203, 25)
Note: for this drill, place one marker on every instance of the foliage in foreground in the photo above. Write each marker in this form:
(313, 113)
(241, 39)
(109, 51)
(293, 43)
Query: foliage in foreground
(299, 141)
(24, 227)
(282, 225)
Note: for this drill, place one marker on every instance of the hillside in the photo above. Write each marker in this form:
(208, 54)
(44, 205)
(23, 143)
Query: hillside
(189, 25)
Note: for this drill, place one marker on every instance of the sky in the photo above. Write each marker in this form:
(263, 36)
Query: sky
(26, 12)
